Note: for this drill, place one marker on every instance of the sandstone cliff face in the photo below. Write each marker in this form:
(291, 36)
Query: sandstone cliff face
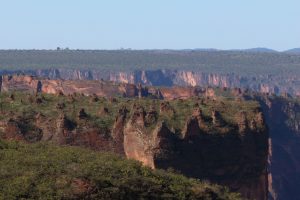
(196, 153)
(67, 87)
(19, 83)
(101, 88)
(240, 151)
(259, 83)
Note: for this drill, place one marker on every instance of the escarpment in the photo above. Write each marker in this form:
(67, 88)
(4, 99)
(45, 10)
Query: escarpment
(101, 88)
(199, 137)
(210, 137)
(264, 83)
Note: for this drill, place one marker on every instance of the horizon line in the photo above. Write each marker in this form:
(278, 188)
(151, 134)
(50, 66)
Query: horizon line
(148, 49)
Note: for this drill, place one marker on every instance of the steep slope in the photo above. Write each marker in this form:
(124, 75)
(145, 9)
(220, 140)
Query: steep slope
(282, 117)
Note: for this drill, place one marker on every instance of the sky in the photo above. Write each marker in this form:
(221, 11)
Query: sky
(149, 24)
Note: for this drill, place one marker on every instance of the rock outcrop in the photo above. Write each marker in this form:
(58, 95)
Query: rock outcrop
(243, 123)
(35, 85)
(137, 143)
(240, 153)
(217, 118)
(118, 131)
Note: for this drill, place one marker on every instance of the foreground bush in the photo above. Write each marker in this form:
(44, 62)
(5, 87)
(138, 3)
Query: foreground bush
(44, 171)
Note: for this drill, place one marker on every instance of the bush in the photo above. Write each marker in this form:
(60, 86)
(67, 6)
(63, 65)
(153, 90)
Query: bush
(44, 171)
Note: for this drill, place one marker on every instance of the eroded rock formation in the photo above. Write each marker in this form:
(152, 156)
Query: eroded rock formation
(189, 131)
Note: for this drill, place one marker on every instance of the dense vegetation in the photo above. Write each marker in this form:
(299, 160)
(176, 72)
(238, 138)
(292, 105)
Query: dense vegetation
(25, 107)
(240, 62)
(44, 171)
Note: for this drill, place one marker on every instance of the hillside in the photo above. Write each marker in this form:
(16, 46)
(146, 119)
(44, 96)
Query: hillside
(43, 171)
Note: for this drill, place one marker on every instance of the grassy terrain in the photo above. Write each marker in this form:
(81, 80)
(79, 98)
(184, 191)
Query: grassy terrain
(243, 63)
(43, 171)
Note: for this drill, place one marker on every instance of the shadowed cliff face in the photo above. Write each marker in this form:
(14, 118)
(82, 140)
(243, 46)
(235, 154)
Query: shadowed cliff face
(0, 83)
(236, 157)
(282, 117)
(260, 83)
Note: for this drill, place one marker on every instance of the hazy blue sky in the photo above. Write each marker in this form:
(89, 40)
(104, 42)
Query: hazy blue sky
(148, 24)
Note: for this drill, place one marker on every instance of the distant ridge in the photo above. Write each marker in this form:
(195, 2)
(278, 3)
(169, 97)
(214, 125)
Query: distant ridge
(250, 50)
(259, 50)
(295, 50)
(253, 50)
(206, 49)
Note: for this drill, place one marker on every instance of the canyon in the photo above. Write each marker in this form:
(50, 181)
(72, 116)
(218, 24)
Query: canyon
(263, 83)
(245, 140)
(182, 129)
